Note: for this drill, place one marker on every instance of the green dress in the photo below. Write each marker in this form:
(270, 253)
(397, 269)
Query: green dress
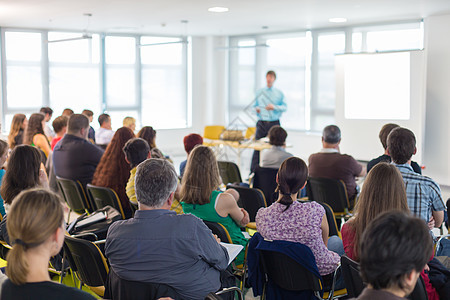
(208, 212)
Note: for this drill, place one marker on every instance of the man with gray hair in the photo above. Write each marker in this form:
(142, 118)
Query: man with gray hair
(159, 246)
(330, 163)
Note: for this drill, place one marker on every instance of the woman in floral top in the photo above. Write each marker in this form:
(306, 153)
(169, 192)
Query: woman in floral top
(293, 221)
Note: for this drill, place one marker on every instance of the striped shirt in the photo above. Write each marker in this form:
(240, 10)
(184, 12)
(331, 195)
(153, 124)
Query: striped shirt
(422, 193)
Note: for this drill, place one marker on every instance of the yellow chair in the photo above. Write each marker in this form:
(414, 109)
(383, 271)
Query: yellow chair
(250, 132)
(213, 132)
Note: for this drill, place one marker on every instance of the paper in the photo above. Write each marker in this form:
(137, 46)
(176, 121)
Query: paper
(233, 250)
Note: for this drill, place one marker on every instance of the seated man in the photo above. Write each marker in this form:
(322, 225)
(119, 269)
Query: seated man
(60, 127)
(384, 132)
(273, 157)
(159, 246)
(394, 249)
(74, 157)
(104, 134)
(330, 163)
(190, 141)
(90, 115)
(423, 194)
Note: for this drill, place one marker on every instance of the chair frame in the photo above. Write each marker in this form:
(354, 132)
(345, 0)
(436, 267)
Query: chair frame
(226, 164)
(117, 205)
(85, 202)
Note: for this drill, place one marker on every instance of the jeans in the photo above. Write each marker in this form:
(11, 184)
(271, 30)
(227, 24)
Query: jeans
(335, 244)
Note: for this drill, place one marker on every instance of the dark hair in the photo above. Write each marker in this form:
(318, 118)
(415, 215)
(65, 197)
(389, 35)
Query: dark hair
(331, 134)
(87, 113)
(292, 176)
(277, 135)
(136, 150)
(148, 133)
(34, 127)
(103, 118)
(46, 110)
(401, 145)
(59, 123)
(16, 127)
(392, 246)
(22, 172)
(384, 132)
(76, 123)
(192, 140)
(113, 171)
(67, 112)
(271, 73)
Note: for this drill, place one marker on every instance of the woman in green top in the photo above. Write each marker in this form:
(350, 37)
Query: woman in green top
(201, 198)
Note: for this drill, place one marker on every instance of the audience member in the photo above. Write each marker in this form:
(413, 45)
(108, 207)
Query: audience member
(113, 170)
(36, 227)
(90, 115)
(423, 194)
(18, 125)
(3, 157)
(186, 256)
(273, 157)
(394, 250)
(149, 134)
(200, 196)
(130, 122)
(60, 127)
(48, 112)
(384, 132)
(305, 223)
(190, 141)
(330, 163)
(67, 112)
(75, 157)
(34, 133)
(104, 134)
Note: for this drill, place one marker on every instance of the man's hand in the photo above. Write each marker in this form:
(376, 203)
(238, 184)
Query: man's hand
(270, 106)
(246, 217)
(258, 110)
(217, 238)
(431, 223)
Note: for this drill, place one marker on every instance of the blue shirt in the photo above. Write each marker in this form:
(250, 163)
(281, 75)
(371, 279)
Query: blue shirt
(422, 193)
(159, 246)
(267, 96)
(2, 206)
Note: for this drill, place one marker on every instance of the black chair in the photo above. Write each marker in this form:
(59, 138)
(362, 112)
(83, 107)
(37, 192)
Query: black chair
(265, 180)
(352, 278)
(103, 196)
(87, 262)
(250, 199)
(74, 195)
(229, 172)
(219, 230)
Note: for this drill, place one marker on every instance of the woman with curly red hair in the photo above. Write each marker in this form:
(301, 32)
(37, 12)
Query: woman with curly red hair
(113, 171)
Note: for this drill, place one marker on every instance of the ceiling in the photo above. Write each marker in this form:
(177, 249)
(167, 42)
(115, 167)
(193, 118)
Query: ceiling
(244, 16)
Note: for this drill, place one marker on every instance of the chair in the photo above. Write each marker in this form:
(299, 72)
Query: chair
(87, 262)
(352, 277)
(103, 196)
(250, 199)
(213, 132)
(332, 225)
(332, 192)
(250, 132)
(216, 295)
(219, 230)
(265, 180)
(229, 172)
(74, 195)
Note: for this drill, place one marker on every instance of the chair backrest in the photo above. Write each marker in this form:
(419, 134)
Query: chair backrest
(265, 179)
(352, 277)
(250, 199)
(74, 195)
(332, 225)
(287, 273)
(213, 132)
(219, 230)
(229, 172)
(103, 196)
(330, 191)
(87, 260)
(250, 132)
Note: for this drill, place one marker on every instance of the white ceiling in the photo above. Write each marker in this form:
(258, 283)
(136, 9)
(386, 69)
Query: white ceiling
(245, 16)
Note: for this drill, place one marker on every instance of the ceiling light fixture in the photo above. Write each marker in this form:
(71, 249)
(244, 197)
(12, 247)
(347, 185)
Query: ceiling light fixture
(337, 20)
(218, 9)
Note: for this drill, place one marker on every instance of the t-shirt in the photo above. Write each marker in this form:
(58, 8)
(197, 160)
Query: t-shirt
(387, 158)
(47, 290)
(335, 165)
(273, 157)
(55, 140)
(2, 206)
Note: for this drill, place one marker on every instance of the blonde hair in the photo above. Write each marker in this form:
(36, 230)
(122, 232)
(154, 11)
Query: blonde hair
(16, 125)
(3, 147)
(201, 176)
(34, 216)
(128, 121)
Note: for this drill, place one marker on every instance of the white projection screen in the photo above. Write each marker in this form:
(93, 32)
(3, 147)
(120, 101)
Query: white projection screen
(375, 89)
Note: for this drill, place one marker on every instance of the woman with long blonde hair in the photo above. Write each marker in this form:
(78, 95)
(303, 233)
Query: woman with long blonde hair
(18, 125)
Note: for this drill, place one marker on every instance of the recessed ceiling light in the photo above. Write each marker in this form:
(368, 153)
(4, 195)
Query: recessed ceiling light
(337, 20)
(218, 9)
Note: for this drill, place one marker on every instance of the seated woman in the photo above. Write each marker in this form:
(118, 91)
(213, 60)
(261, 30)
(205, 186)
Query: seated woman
(305, 223)
(34, 134)
(274, 157)
(113, 171)
(149, 134)
(200, 196)
(383, 191)
(36, 227)
(18, 125)
(3, 157)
